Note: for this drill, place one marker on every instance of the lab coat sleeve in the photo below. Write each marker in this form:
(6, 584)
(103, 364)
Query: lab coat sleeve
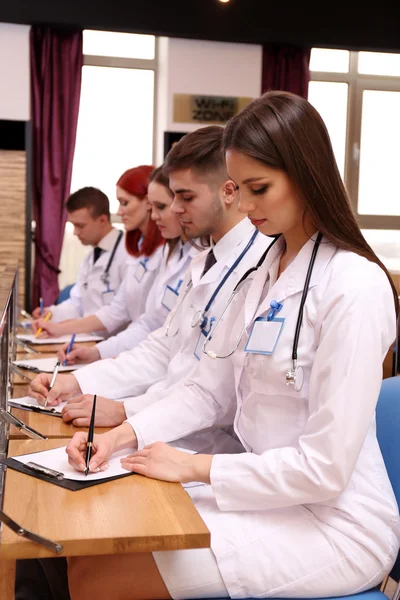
(135, 333)
(208, 398)
(355, 329)
(115, 315)
(131, 373)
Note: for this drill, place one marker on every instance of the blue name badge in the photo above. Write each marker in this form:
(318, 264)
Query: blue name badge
(141, 270)
(108, 295)
(171, 295)
(198, 351)
(264, 335)
(204, 332)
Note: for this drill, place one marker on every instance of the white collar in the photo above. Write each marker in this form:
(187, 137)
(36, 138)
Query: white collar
(232, 238)
(108, 241)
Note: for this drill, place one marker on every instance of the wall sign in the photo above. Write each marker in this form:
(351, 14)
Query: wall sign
(210, 110)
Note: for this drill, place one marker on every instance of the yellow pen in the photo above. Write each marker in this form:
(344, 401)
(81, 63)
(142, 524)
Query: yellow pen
(39, 331)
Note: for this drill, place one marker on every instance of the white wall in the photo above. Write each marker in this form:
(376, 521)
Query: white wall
(14, 72)
(202, 67)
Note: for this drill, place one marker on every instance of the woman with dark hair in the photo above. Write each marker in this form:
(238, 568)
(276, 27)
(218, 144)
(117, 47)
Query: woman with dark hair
(307, 510)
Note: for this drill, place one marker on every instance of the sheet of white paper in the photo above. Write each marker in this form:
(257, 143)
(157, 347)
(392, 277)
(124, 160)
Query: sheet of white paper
(29, 400)
(62, 339)
(58, 460)
(45, 365)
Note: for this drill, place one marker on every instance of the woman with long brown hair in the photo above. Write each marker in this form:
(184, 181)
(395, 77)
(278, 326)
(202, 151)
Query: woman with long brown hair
(307, 509)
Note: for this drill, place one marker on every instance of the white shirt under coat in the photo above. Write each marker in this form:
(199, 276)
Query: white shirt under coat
(308, 510)
(90, 292)
(170, 272)
(154, 368)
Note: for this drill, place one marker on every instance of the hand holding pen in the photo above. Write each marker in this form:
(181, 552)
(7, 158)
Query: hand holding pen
(89, 443)
(70, 345)
(40, 329)
(53, 379)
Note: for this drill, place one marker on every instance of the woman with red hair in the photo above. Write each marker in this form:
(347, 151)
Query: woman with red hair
(144, 244)
(142, 234)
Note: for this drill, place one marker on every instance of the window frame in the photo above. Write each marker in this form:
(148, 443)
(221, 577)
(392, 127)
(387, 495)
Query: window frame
(357, 84)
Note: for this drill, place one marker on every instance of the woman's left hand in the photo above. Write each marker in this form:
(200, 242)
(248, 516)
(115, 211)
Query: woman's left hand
(160, 461)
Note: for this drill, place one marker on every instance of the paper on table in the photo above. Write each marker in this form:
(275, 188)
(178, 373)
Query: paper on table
(29, 400)
(45, 365)
(57, 460)
(80, 337)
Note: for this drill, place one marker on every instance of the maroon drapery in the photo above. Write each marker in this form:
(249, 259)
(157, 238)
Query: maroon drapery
(56, 67)
(285, 68)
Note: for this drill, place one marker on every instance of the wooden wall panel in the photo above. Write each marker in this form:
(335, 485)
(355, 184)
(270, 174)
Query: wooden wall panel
(13, 212)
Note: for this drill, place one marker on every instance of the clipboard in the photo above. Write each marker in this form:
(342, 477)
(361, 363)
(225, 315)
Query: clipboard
(68, 484)
(44, 410)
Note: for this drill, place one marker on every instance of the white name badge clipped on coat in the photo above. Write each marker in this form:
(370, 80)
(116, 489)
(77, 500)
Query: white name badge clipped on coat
(265, 333)
(141, 270)
(171, 295)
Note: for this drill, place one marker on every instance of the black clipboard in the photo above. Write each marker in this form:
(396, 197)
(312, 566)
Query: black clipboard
(50, 412)
(68, 484)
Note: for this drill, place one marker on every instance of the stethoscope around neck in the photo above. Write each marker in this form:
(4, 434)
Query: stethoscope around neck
(200, 318)
(294, 376)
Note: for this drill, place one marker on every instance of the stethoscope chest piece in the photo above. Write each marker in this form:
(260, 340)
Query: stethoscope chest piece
(295, 377)
(198, 319)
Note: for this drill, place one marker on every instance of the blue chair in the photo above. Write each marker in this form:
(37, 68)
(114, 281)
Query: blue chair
(388, 428)
(64, 294)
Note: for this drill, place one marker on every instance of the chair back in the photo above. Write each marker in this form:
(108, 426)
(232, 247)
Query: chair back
(388, 433)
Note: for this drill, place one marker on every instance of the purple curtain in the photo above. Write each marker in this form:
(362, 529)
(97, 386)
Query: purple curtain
(56, 68)
(285, 68)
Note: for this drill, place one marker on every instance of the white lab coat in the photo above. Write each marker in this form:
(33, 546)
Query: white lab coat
(169, 272)
(152, 369)
(90, 293)
(130, 301)
(308, 510)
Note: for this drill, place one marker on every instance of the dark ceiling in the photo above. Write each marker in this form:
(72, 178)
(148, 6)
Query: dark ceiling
(332, 24)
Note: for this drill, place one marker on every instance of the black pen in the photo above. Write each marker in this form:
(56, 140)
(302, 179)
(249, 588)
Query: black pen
(89, 443)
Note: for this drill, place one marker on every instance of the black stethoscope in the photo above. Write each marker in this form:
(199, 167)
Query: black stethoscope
(200, 318)
(105, 278)
(294, 376)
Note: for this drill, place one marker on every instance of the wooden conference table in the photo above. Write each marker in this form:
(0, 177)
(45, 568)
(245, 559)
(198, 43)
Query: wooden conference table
(133, 514)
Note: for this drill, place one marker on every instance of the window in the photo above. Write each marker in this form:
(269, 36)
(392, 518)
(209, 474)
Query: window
(358, 96)
(116, 114)
(115, 123)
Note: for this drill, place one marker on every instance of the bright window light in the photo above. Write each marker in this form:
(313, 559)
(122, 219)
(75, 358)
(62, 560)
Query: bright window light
(379, 63)
(121, 45)
(378, 192)
(115, 127)
(330, 61)
(330, 100)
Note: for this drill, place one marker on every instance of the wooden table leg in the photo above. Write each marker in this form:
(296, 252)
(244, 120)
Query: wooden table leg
(7, 578)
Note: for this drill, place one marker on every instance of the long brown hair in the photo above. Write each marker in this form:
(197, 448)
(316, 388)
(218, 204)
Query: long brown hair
(285, 132)
(158, 176)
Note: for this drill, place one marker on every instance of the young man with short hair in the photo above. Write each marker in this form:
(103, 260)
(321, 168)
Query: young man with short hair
(102, 270)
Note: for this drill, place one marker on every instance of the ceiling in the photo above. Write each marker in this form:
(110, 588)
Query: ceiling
(351, 25)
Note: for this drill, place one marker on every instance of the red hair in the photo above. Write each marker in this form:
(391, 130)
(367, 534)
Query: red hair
(135, 181)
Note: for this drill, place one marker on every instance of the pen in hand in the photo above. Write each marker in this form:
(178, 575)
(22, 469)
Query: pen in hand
(89, 443)
(39, 331)
(53, 379)
(41, 306)
(71, 343)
